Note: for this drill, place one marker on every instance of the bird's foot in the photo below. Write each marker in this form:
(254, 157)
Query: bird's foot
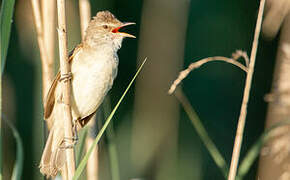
(70, 142)
(65, 77)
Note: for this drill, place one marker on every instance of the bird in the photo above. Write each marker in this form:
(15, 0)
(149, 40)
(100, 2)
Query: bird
(94, 65)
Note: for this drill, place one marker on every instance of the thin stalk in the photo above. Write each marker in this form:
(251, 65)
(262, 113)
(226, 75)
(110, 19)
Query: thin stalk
(202, 133)
(47, 68)
(45, 38)
(48, 17)
(235, 56)
(93, 161)
(85, 15)
(243, 112)
(66, 87)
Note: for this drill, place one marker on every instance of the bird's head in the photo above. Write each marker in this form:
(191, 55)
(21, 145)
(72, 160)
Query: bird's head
(104, 30)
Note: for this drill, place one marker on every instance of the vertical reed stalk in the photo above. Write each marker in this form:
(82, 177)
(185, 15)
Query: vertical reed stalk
(85, 15)
(243, 112)
(48, 17)
(66, 87)
(93, 161)
(47, 68)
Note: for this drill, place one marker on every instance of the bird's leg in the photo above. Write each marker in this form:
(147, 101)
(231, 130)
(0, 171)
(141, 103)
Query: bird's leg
(68, 140)
(75, 127)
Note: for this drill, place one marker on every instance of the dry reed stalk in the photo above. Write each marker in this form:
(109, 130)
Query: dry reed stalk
(47, 69)
(48, 17)
(85, 15)
(235, 56)
(93, 161)
(243, 112)
(92, 165)
(66, 87)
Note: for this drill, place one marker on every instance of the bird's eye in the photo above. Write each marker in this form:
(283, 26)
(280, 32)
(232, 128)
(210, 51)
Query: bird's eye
(105, 26)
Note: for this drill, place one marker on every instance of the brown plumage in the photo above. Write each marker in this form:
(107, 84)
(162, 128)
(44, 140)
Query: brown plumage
(94, 67)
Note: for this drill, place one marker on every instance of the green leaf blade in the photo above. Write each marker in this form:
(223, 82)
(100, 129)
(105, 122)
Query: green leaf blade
(6, 15)
(101, 132)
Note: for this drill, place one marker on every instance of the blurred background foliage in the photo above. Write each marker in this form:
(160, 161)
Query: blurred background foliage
(209, 28)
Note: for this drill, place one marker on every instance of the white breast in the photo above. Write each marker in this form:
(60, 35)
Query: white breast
(93, 76)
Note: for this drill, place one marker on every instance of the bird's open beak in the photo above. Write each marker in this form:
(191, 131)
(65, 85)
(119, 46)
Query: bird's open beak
(116, 30)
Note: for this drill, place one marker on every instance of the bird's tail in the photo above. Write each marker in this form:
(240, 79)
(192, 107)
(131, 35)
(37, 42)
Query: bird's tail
(53, 156)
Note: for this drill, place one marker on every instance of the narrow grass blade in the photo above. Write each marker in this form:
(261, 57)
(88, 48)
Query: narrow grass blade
(112, 147)
(18, 165)
(201, 131)
(81, 147)
(254, 152)
(101, 132)
(5, 28)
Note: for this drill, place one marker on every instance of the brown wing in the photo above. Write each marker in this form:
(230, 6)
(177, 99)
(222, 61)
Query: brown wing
(50, 99)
